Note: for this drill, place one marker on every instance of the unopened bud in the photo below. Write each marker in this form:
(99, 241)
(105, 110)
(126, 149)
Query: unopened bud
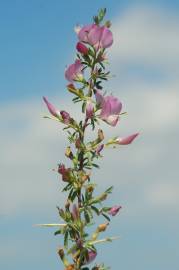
(89, 110)
(100, 135)
(67, 204)
(70, 267)
(103, 197)
(102, 227)
(66, 117)
(90, 188)
(61, 253)
(78, 143)
(81, 48)
(68, 153)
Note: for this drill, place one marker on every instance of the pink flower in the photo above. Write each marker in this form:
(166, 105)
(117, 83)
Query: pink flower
(114, 210)
(126, 140)
(81, 48)
(91, 256)
(89, 110)
(51, 108)
(66, 117)
(110, 110)
(98, 36)
(74, 71)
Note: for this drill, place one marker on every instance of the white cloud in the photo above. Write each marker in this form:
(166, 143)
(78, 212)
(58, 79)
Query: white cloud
(148, 36)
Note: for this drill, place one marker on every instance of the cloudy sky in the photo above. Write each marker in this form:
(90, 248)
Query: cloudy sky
(37, 42)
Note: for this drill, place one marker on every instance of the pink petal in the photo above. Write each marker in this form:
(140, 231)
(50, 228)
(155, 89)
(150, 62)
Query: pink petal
(95, 35)
(112, 120)
(107, 37)
(116, 105)
(99, 97)
(83, 33)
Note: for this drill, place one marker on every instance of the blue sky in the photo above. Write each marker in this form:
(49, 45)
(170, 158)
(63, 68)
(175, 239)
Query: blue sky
(37, 42)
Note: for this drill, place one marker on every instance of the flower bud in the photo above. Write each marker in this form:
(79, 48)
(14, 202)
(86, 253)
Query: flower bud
(68, 153)
(103, 197)
(65, 172)
(102, 227)
(70, 267)
(114, 210)
(91, 256)
(51, 108)
(61, 253)
(66, 117)
(81, 48)
(99, 149)
(90, 188)
(78, 143)
(126, 140)
(100, 135)
(89, 110)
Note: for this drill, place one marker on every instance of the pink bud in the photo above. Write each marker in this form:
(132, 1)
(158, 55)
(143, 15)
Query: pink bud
(99, 149)
(91, 256)
(66, 117)
(81, 48)
(51, 108)
(89, 110)
(114, 210)
(126, 140)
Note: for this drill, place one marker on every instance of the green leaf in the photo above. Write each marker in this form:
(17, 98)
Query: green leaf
(66, 239)
(95, 209)
(87, 216)
(73, 196)
(57, 232)
(104, 215)
(95, 165)
(109, 190)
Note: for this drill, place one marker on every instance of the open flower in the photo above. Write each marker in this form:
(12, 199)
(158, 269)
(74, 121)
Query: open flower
(74, 71)
(126, 140)
(110, 108)
(51, 108)
(95, 35)
(114, 210)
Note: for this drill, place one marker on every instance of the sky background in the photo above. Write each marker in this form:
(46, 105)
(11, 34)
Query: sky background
(37, 41)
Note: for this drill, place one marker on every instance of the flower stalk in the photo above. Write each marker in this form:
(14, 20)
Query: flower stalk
(82, 207)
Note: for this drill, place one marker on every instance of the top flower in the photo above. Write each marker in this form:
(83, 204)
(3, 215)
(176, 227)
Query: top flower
(95, 35)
